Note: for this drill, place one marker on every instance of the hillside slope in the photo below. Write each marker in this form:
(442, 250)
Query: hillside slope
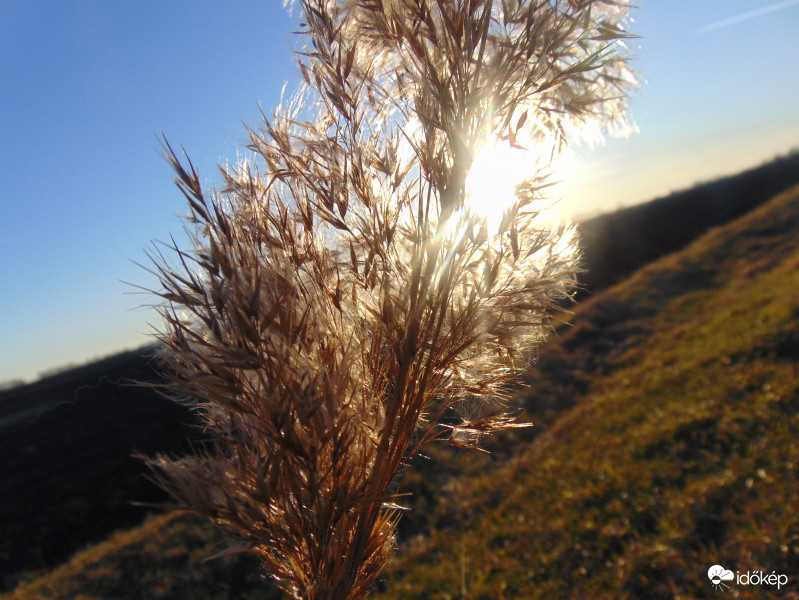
(680, 449)
(666, 418)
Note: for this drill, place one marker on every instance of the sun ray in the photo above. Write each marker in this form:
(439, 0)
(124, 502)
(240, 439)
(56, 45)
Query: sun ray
(498, 169)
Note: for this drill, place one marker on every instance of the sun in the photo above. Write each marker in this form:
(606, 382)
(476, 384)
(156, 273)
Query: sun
(499, 167)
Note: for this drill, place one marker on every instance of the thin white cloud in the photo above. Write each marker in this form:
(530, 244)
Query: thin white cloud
(752, 14)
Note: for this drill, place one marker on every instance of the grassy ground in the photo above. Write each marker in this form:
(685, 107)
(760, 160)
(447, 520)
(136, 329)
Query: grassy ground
(680, 453)
(164, 558)
(666, 442)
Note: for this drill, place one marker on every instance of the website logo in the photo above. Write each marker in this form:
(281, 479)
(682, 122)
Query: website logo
(718, 575)
(721, 578)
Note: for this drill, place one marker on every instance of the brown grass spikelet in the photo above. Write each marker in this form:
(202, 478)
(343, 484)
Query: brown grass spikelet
(341, 294)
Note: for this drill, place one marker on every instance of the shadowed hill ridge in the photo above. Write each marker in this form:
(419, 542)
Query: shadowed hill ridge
(618, 243)
(67, 470)
(607, 326)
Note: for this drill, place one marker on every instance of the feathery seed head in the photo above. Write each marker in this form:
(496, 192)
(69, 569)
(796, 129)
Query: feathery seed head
(343, 292)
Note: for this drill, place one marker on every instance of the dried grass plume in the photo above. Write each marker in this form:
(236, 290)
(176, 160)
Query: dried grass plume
(341, 294)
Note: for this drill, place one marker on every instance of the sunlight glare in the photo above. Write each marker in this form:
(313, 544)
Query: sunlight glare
(498, 168)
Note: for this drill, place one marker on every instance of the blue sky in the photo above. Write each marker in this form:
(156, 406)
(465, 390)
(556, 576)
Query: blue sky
(87, 86)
